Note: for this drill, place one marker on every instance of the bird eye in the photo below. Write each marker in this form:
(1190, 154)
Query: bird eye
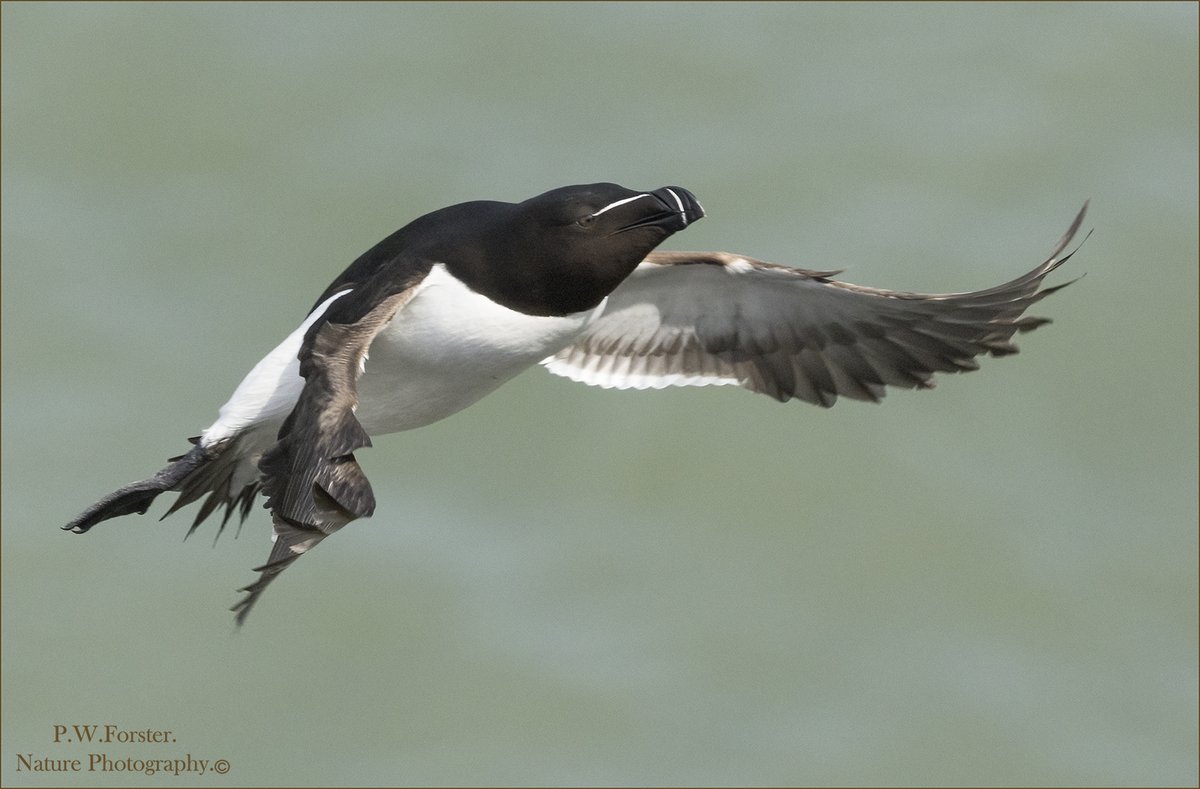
(586, 220)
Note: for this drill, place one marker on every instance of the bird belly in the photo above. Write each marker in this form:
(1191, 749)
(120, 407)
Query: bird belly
(448, 347)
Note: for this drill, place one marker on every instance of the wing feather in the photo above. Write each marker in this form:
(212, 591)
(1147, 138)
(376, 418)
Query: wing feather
(313, 483)
(705, 318)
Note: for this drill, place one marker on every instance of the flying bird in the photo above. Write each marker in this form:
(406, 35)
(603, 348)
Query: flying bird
(452, 305)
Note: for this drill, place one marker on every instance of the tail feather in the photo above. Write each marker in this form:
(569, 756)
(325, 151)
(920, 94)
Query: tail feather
(223, 480)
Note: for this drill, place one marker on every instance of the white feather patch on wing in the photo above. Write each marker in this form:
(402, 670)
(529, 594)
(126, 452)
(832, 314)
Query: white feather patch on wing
(633, 326)
(646, 337)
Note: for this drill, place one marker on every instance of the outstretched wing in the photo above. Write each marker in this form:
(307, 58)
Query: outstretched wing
(313, 483)
(712, 318)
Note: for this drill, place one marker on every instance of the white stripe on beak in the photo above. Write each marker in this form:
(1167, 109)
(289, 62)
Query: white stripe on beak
(678, 202)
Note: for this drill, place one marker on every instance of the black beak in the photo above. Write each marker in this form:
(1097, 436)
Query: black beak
(677, 208)
(682, 203)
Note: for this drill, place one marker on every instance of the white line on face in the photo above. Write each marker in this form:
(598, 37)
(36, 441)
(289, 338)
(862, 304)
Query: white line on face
(621, 202)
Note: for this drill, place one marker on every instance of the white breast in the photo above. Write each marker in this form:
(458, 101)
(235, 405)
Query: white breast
(448, 347)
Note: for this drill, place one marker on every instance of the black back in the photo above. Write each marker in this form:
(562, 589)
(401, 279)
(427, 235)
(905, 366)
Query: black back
(558, 253)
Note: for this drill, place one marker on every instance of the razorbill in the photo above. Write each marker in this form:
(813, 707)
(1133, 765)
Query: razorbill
(452, 305)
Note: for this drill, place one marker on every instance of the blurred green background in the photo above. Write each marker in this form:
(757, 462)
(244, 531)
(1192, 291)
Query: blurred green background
(993, 583)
